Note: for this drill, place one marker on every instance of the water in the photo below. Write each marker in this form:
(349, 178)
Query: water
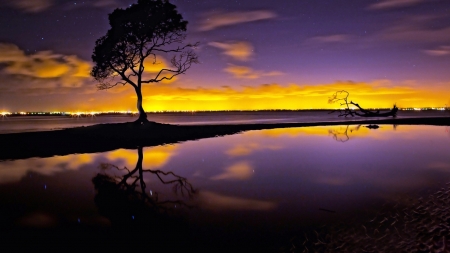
(253, 191)
(40, 123)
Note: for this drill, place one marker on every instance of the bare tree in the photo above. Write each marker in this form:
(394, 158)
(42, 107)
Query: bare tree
(341, 97)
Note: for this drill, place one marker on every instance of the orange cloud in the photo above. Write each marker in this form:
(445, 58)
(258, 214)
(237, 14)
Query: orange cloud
(242, 72)
(239, 50)
(218, 19)
(67, 70)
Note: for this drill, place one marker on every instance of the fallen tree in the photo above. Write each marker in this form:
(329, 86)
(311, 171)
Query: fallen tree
(342, 98)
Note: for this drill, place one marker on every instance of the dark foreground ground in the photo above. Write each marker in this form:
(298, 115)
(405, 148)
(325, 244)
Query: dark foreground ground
(107, 137)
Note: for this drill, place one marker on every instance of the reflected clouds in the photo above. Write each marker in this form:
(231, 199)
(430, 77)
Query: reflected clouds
(239, 171)
(247, 149)
(219, 202)
(154, 157)
(38, 220)
(13, 171)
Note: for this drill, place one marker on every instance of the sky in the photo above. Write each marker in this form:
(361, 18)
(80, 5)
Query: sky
(266, 54)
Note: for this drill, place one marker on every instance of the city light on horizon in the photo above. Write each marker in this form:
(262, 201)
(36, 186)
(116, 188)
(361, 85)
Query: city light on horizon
(262, 64)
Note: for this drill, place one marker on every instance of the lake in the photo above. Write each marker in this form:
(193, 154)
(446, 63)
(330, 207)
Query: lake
(254, 191)
(17, 124)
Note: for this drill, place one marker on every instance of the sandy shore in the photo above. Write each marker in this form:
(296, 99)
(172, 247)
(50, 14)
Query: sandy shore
(106, 137)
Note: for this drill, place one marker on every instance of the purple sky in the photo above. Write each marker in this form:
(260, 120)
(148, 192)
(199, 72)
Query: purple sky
(308, 45)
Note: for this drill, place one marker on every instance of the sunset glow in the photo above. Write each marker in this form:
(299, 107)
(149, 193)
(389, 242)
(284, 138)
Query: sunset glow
(251, 58)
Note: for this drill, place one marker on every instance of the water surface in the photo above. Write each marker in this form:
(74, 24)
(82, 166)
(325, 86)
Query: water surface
(40, 123)
(254, 190)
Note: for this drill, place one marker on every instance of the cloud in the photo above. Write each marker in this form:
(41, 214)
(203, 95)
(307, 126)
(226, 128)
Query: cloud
(419, 29)
(239, 50)
(392, 4)
(36, 6)
(218, 19)
(440, 51)
(33, 6)
(243, 72)
(335, 38)
(43, 72)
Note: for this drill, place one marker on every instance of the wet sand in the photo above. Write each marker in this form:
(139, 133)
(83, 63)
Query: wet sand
(422, 225)
(107, 137)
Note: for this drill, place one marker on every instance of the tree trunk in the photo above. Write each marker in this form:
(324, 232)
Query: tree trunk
(142, 115)
(366, 113)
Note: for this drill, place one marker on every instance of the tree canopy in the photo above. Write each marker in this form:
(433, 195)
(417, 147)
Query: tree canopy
(148, 29)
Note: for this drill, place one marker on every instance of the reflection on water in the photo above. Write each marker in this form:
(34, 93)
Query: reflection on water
(257, 189)
(116, 184)
(122, 196)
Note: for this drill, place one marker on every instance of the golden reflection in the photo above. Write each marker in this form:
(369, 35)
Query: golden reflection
(38, 220)
(294, 131)
(12, 171)
(342, 133)
(238, 171)
(339, 132)
(154, 157)
(218, 202)
(247, 149)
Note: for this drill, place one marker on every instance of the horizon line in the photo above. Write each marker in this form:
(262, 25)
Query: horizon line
(24, 113)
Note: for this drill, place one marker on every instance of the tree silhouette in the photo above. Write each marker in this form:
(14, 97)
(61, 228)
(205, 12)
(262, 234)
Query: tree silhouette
(342, 98)
(148, 29)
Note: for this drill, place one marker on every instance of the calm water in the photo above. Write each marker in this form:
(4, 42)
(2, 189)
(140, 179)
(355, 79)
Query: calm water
(30, 123)
(256, 190)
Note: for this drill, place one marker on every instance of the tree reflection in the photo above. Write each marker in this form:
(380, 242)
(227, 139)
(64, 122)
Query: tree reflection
(341, 134)
(124, 200)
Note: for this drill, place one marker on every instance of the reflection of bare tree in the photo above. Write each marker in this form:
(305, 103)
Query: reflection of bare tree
(124, 200)
(341, 134)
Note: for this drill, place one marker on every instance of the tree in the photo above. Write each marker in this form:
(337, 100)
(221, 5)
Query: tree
(148, 29)
(342, 98)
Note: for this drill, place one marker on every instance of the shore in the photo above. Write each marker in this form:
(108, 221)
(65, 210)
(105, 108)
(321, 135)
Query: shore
(107, 137)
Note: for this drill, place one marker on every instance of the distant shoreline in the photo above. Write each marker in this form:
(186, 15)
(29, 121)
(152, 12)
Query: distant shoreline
(133, 113)
(107, 137)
